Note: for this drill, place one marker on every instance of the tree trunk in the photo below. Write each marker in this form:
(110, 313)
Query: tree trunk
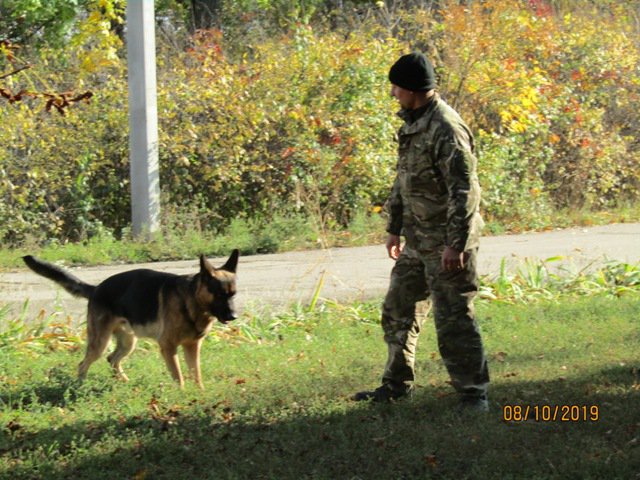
(204, 13)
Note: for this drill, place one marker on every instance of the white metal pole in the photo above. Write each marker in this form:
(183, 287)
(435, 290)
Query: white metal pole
(143, 118)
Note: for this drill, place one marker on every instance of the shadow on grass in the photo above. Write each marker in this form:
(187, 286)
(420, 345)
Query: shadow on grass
(421, 438)
(61, 390)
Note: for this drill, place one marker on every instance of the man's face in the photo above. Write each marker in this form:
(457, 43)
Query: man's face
(405, 98)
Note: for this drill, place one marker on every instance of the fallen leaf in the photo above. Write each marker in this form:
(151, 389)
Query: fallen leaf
(13, 426)
(140, 475)
(500, 356)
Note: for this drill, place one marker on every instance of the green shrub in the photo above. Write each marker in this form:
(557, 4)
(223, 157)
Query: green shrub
(296, 120)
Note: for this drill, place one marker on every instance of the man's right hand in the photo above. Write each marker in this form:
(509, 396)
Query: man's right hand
(393, 246)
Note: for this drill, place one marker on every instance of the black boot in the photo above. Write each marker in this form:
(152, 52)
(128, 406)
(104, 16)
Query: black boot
(476, 404)
(384, 393)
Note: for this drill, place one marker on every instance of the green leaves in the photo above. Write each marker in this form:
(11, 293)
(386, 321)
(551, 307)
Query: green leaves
(39, 21)
(297, 119)
(536, 280)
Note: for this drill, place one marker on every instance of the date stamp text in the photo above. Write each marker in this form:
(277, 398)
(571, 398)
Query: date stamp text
(551, 413)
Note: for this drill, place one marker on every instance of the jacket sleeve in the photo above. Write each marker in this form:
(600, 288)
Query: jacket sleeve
(393, 207)
(458, 164)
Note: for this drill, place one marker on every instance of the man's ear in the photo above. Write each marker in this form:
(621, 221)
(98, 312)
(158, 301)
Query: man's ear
(232, 263)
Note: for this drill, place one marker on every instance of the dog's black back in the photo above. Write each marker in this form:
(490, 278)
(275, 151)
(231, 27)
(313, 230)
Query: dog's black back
(135, 294)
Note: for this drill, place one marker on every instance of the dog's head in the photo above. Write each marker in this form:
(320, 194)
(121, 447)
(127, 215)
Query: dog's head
(217, 286)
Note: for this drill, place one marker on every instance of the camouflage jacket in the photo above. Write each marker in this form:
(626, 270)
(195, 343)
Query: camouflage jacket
(436, 195)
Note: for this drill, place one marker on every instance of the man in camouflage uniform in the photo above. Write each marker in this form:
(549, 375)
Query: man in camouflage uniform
(434, 204)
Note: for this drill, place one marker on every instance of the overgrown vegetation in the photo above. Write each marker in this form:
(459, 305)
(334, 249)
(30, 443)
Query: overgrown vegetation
(184, 240)
(276, 404)
(532, 282)
(281, 109)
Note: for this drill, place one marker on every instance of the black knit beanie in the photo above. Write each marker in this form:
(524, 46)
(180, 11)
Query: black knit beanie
(413, 72)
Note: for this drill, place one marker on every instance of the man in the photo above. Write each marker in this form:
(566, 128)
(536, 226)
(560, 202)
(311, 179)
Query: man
(434, 204)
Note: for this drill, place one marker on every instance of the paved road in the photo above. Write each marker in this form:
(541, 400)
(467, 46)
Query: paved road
(274, 281)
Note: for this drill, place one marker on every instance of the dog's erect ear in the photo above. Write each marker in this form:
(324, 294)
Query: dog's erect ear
(205, 266)
(232, 263)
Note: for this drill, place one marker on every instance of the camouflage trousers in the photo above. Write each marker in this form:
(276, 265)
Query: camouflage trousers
(416, 278)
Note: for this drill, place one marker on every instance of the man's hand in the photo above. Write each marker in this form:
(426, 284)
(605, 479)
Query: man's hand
(393, 246)
(452, 260)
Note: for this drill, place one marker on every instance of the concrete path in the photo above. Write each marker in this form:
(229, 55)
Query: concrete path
(277, 280)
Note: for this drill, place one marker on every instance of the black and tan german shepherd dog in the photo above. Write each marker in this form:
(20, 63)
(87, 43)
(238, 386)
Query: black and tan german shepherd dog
(175, 310)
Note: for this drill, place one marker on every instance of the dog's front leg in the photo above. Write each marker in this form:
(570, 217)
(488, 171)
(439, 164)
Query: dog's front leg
(170, 355)
(192, 357)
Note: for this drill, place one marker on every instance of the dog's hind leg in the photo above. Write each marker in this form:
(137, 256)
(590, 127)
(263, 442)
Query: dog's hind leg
(125, 344)
(169, 352)
(192, 357)
(98, 336)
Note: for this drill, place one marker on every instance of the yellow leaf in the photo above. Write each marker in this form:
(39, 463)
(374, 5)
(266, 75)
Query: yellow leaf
(528, 104)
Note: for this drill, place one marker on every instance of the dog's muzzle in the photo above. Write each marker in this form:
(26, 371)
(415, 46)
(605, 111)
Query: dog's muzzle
(229, 317)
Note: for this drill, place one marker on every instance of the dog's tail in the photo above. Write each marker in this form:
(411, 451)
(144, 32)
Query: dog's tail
(71, 284)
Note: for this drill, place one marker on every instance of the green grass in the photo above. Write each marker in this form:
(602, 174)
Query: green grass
(566, 218)
(283, 233)
(277, 403)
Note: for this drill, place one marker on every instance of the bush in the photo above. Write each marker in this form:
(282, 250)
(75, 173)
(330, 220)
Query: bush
(300, 123)
(552, 88)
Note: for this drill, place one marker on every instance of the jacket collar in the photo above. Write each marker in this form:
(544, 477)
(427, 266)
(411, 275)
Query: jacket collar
(417, 120)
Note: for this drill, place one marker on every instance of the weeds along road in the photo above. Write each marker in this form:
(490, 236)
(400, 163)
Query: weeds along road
(272, 282)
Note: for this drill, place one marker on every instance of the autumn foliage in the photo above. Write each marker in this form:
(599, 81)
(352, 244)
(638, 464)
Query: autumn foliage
(301, 120)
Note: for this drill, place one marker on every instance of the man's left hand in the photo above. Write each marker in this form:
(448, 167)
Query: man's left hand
(452, 260)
